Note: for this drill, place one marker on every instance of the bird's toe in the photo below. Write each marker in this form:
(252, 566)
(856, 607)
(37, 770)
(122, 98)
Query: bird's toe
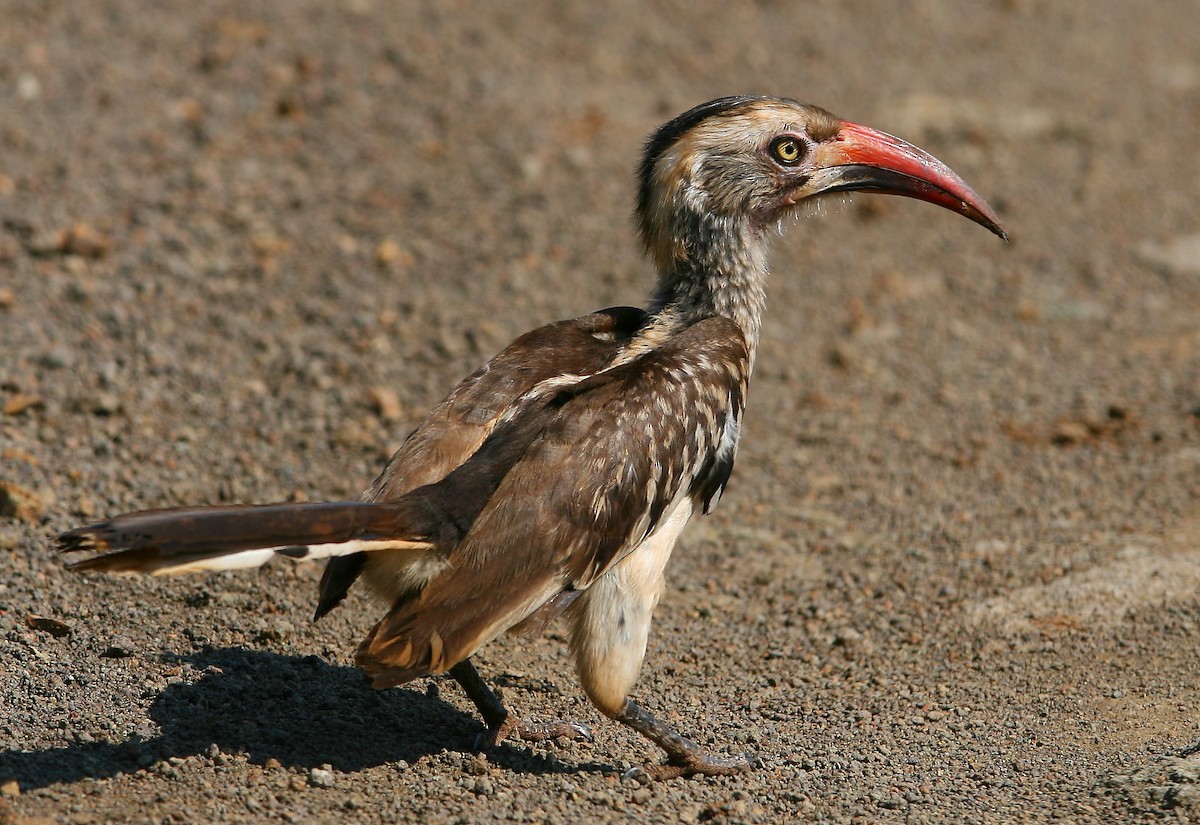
(699, 764)
(513, 727)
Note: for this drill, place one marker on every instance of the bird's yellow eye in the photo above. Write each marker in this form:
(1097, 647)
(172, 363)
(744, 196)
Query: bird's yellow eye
(787, 150)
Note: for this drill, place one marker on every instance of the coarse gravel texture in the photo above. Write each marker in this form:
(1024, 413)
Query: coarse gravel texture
(243, 246)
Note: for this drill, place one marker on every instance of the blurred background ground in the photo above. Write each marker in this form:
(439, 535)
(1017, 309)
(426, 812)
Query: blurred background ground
(243, 246)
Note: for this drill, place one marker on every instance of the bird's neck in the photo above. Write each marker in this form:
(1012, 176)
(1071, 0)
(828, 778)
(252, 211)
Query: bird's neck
(716, 267)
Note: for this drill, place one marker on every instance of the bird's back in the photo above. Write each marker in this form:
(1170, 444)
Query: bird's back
(455, 429)
(575, 475)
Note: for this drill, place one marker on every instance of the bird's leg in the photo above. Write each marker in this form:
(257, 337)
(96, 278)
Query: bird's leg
(684, 757)
(501, 723)
(610, 629)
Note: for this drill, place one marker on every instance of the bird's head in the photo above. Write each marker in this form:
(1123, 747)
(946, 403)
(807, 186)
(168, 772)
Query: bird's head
(747, 162)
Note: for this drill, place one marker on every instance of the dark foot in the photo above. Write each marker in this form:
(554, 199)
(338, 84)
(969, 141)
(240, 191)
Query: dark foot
(500, 723)
(698, 763)
(684, 757)
(530, 732)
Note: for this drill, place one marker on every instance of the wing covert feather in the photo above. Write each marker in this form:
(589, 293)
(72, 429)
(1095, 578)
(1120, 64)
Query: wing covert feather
(454, 430)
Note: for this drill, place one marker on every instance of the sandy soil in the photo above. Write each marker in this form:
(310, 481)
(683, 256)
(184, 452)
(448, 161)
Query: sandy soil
(244, 246)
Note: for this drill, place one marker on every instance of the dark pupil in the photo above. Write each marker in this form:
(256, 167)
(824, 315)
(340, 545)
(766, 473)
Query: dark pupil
(787, 150)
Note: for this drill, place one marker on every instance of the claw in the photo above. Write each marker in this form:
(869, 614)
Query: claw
(637, 773)
(484, 740)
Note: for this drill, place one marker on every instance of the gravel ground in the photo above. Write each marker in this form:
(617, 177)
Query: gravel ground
(243, 246)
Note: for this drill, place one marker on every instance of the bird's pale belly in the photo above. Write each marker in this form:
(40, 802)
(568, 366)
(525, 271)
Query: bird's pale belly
(610, 623)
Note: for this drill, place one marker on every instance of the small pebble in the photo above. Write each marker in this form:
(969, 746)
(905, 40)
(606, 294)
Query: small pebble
(1178, 257)
(20, 503)
(387, 404)
(119, 647)
(105, 403)
(57, 358)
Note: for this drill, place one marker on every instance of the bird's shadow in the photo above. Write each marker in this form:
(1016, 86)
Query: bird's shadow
(301, 711)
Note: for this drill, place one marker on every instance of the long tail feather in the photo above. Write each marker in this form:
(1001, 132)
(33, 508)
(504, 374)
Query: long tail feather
(186, 539)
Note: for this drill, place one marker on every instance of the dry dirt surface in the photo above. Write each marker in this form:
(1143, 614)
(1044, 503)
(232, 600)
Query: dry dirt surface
(243, 246)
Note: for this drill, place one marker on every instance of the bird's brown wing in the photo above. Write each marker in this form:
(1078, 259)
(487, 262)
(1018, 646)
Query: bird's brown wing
(454, 430)
(587, 473)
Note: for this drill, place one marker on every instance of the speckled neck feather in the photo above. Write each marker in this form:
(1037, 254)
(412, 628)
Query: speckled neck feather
(723, 273)
(711, 254)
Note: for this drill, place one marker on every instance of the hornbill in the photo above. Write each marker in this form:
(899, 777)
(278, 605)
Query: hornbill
(556, 478)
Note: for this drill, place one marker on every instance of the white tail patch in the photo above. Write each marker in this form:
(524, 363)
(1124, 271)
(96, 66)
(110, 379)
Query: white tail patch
(256, 558)
(234, 561)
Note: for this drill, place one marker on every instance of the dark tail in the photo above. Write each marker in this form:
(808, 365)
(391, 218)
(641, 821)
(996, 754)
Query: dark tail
(185, 539)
